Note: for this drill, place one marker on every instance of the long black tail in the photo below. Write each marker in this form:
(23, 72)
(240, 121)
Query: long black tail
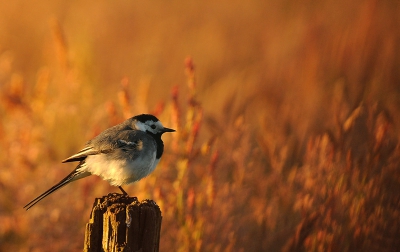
(74, 175)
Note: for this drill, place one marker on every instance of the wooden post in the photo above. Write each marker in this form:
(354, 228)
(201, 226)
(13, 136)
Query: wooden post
(121, 223)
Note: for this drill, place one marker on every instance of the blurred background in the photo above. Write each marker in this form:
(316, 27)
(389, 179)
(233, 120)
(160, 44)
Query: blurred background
(286, 115)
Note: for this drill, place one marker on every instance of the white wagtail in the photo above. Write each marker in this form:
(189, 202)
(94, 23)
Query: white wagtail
(121, 154)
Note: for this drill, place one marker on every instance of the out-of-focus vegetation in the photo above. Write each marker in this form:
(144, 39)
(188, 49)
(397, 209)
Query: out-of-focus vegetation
(287, 119)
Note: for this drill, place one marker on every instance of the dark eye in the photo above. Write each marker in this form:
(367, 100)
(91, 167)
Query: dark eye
(153, 126)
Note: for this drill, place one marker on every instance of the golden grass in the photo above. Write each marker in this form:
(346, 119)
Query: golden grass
(287, 120)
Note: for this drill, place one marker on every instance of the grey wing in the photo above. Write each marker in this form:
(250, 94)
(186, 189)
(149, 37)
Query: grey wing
(126, 140)
(82, 154)
(129, 144)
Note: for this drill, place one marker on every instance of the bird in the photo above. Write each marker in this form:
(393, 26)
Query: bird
(122, 154)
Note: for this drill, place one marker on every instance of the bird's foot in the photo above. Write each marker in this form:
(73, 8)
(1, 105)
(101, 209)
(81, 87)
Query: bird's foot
(123, 191)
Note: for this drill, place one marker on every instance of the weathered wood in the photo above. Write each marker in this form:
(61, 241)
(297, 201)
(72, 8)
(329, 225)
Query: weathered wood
(121, 223)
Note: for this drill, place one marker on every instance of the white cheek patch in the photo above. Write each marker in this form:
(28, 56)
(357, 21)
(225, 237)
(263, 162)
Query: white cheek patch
(147, 126)
(140, 126)
(159, 125)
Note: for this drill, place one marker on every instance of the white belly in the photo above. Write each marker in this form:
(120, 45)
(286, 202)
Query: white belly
(120, 171)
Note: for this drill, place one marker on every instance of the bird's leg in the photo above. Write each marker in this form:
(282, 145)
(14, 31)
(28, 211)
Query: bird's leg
(122, 190)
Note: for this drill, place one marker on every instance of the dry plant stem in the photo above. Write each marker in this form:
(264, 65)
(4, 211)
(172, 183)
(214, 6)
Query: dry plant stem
(125, 99)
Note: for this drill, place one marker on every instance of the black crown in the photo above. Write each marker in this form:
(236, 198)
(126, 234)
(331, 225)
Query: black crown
(145, 118)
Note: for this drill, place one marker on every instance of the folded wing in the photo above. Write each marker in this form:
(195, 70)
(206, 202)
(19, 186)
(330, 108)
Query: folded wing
(81, 155)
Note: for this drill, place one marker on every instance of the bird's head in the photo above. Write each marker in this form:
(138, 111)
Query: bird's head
(150, 124)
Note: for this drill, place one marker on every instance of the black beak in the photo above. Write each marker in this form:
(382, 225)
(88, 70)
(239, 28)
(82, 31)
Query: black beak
(168, 130)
